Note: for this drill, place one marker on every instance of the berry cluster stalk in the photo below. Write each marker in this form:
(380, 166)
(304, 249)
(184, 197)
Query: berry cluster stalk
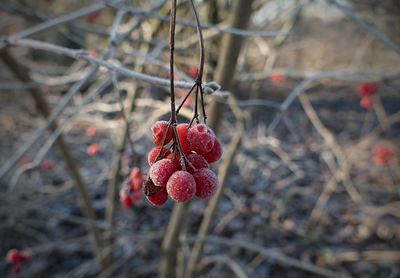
(175, 226)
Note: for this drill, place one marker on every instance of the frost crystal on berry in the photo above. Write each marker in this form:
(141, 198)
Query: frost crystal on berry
(182, 130)
(159, 129)
(161, 170)
(215, 153)
(206, 183)
(197, 162)
(201, 138)
(151, 157)
(181, 186)
(158, 198)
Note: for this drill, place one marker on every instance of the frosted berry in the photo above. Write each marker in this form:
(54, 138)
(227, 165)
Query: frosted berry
(158, 130)
(125, 196)
(201, 138)
(182, 130)
(367, 102)
(206, 183)
(93, 149)
(197, 162)
(151, 157)
(181, 186)
(215, 153)
(159, 198)
(127, 201)
(161, 170)
(176, 159)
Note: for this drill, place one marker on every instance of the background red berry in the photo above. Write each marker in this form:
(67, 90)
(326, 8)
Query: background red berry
(93, 17)
(15, 256)
(93, 149)
(367, 89)
(91, 131)
(367, 102)
(193, 71)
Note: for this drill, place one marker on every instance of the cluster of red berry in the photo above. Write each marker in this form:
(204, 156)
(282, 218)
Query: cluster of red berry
(182, 177)
(367, 90)
(94, 148)
(17, 259)
(131, 190)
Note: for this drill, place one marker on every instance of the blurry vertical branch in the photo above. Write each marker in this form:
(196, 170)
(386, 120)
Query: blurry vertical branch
(229, 54)
(43, 107)
(230, 50)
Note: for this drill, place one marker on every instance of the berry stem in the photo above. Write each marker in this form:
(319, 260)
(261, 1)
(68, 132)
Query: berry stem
(176, 143)
(199, 78)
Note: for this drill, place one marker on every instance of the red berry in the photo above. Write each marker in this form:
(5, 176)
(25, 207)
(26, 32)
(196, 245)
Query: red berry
(137, 196)
(151, 157)
(158, 198)
(182, 130)
(125, 196)
(206, 183)
(197, 161)
(93, 149)
(47, 166)
(159, 129)
(16, 269)
(136, 174)
(17, 257)
(94, 53)
(93, 17)
(193, 71)
(136, 179)
(201, 138)
(215, 153)
(367, 102)
(161, 170)
(91, 131)
(367, 89)
(176, 160)
(181, 186)
(127, 201)
(277, 78)
(382, 155)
